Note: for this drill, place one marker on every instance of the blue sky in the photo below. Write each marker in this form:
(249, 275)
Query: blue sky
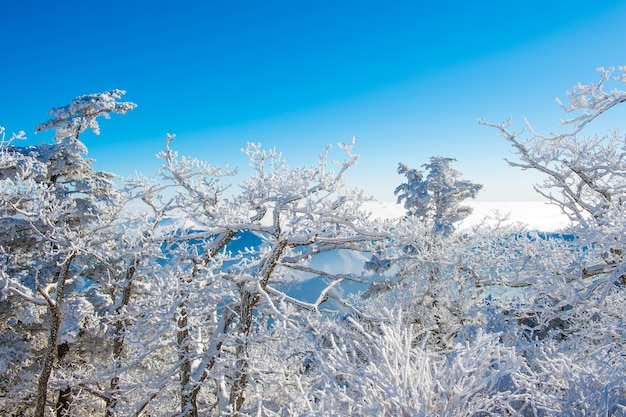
(407, 79)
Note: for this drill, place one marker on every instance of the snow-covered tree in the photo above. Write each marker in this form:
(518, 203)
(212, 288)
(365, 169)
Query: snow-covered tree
(221, 293)
(569, 288)
(422, 267)
(125, 314)
(387, 369)
(55, 209)
(547, 302)
(585, 175)
(436, 197)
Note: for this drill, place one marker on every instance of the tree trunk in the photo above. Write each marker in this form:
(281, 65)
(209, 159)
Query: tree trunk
(248, 301)
(188, 392)
(48, 362)
(188, 406)
(118, 340)
(64, 401)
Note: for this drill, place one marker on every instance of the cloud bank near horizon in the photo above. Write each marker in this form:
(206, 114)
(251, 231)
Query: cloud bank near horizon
(535, 215)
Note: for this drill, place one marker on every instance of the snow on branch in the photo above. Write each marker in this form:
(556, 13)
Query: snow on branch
(593, 99)
(585, 175)
(81, 114)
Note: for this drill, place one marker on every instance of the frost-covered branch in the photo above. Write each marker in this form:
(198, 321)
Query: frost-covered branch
(82, 113)
(592, 100)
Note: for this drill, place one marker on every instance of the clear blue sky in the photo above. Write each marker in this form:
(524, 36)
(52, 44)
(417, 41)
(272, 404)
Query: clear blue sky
(408, 79)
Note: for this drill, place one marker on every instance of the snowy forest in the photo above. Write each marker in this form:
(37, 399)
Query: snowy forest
(185, 294)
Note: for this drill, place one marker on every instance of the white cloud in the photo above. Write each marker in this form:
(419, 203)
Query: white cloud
(536, 215)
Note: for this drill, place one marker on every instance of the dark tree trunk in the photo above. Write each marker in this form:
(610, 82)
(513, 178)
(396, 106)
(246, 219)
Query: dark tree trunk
(247, 306)
(64, 400)
(48, 362)
(119, 339)
(188, 406)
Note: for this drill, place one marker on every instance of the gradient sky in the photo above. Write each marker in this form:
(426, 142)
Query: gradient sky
(408, 79)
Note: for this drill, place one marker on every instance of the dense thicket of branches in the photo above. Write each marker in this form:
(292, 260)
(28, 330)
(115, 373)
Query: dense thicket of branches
(184, 295)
